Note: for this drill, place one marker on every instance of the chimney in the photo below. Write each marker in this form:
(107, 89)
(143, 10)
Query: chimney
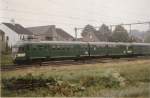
(12, 21)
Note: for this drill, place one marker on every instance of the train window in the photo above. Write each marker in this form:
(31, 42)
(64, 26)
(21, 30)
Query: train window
(58, 46)
(28, 47)
(111, 45)
(40, 48)
(94, 48)
(21, 49)
(103, 45)
(15, 49)
(53, 47)
(70, 46)
(34, 49)
(64, 48)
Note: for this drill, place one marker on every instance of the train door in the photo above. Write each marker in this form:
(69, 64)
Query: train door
(76, 50)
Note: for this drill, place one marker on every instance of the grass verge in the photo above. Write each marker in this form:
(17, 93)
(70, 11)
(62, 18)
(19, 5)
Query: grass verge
(6, 60)
(118, 79)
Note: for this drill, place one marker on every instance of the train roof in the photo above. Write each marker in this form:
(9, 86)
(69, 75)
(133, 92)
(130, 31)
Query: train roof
(118, 43)
(78, 42)
(50, 42)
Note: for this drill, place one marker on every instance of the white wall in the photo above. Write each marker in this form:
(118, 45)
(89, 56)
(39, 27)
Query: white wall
(13, 36)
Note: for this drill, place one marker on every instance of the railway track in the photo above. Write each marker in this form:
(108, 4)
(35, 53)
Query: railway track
(71, 62)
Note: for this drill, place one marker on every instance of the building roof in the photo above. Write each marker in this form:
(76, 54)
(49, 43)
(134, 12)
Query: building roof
(49, 29)
(63, 33)
(38, 30)
(18, 28)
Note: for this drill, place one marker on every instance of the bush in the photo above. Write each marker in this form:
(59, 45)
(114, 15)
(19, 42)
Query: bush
(59, 86)
(27, 82)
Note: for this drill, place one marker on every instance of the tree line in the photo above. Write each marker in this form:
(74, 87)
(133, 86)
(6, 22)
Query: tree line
(119, 34)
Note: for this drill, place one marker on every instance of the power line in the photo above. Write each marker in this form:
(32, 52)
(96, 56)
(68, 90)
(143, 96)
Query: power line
(128, 24)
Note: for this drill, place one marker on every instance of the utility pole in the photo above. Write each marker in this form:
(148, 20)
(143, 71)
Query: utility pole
(75, 29)
(130, 32)
(111, 28)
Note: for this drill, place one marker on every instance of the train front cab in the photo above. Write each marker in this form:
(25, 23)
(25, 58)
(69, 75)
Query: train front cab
(18, 53)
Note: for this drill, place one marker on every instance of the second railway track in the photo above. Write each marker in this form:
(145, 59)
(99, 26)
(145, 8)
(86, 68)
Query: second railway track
(70, 62)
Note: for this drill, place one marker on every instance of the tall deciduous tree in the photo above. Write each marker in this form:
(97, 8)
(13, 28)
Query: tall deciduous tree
(88, 29)
(120, 34)
(104, 33)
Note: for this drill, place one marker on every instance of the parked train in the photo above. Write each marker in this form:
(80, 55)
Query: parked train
(49, 50)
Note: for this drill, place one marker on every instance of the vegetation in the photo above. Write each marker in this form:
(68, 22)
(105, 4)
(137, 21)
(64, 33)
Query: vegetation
(88, 29)
(120, 34)
(104, 33)
(124, 79)
(6, 59)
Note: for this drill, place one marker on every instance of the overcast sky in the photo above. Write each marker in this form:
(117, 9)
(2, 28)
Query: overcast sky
(68, 14)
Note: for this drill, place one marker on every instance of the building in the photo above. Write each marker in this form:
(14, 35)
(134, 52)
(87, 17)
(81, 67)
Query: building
(89, 33)
(91, 37)
(14, 33)
(50, 33)
(94, 37)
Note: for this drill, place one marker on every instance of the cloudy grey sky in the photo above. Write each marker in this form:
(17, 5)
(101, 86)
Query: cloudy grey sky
(68, 14)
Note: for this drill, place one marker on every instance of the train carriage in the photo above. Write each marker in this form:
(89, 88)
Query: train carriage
(50, 50)
(140, 48)
(98, 49)
(117, 49)
(108, 49)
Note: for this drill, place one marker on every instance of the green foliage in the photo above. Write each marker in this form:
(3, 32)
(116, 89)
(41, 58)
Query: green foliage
(6, 59)
(27, 82)
(127, 79)
(104, 33)
(105, 82)
(120, 34)
(7, 48)
(57, 86)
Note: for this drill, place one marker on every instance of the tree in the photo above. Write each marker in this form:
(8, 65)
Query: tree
(104, 33)
(120, 34)
(87, 30)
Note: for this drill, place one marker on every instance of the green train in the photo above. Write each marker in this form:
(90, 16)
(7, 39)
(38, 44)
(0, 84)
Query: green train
(51, 50)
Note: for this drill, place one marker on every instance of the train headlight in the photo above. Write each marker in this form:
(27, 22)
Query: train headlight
(21, 55)
(129, 51)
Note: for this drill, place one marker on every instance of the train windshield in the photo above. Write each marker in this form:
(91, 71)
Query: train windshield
(18, 49)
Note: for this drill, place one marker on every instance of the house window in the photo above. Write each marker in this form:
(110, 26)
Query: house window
(7, 38)
(2, 38)
(23, 38)
(48, 38)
